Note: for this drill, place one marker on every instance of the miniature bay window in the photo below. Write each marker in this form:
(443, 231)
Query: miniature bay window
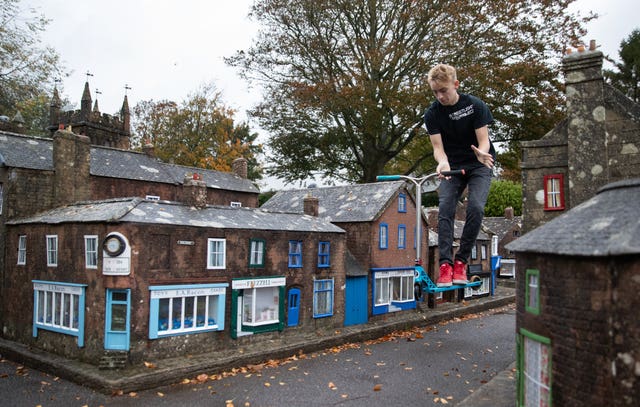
(185, 309)
(59, 307)
(257, 305)
(393, 289)
(554, 192)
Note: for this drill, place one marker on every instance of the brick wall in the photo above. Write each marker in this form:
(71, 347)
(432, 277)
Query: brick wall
(590, 331)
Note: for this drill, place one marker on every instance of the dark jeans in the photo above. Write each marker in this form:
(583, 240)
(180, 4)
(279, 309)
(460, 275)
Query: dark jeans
(478, 181)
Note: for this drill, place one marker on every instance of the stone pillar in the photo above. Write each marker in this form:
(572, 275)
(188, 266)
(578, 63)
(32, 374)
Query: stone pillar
(588, 167)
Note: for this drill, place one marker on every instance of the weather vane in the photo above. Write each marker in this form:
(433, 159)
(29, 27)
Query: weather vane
(98, 92)
(126, 88)
(88, 75)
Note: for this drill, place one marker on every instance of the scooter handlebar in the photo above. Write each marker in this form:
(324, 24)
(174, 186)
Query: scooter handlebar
(387, 178)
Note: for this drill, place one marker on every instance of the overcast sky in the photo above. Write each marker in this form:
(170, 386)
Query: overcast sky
(166, 49)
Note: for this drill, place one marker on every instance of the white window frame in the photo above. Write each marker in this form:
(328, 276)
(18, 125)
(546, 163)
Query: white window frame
(152, 198)
(295, 254)
(253, 298)
(91, 253)
(474, 252)
(236, 204)
(52, 250)
(216, 253)
(483, 251)
(22, 250)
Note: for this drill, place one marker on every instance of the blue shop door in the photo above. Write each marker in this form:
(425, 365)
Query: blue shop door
(293, 301)
(116, 334)
(356, 301)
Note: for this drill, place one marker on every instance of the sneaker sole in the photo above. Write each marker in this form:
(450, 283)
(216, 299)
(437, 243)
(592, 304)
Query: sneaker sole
(462, 282)
(444, 284)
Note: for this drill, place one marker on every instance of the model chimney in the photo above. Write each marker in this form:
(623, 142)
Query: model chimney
(311, 205)
(239, 167)
(194, 191)
(508, 212)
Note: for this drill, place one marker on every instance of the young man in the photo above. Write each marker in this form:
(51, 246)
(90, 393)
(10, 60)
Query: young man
(457, 126)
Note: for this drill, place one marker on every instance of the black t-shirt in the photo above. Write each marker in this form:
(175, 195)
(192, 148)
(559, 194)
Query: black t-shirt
(457, 124)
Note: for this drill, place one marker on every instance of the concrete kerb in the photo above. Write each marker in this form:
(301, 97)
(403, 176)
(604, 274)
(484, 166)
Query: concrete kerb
(174, 370)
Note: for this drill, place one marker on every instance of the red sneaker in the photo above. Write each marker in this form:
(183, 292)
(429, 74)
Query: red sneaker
(446, 271)
(459, 272)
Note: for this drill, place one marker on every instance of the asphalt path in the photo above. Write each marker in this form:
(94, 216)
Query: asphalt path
(434, 365)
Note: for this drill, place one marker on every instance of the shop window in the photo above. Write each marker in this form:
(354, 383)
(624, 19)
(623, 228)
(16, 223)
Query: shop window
(532, 295)
(402, 236)
(216, 253)
(180, 310)
(402, 203)
(59, 307)
(383, 237)
(535, 380)
(295, 253)
(322, 298)
(260, 306)
(324, 254)
(52, 250)
(91, 252)
(393, 286)
(256, 252)
(22, 250)
(553, 192)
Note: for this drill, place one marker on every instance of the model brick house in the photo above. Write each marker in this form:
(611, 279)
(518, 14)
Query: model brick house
(577, 310)
(379, 220)
(598, 143)
(504, 230)
(158, 278)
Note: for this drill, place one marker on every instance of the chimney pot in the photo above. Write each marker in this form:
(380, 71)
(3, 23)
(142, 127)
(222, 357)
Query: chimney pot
(311, 205)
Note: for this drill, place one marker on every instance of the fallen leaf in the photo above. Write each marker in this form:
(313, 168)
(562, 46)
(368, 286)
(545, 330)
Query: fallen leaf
(133, 394)
(186, 381)
(332, 386)
(150, 365)
(202, 377)
(229, 403)
(160, 394)
(267, 384)
(377, 387)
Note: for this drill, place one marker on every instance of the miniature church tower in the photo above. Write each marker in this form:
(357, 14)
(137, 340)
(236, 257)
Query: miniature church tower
(102, 129)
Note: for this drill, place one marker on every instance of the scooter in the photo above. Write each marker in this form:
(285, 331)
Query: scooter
(422, 283)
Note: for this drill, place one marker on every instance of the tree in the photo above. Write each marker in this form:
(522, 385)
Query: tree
(345, 81)
(200, 132)
(503, 194)
(627, 76)
(27, 70)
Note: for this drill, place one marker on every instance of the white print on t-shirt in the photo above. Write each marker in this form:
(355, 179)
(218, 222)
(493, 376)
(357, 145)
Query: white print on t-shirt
(464, 112)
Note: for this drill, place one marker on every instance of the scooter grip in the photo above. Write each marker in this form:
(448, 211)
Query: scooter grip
(387, 178)
(452, 172)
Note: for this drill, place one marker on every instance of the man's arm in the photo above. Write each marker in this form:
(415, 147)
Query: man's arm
(439, 154)
(482, 151)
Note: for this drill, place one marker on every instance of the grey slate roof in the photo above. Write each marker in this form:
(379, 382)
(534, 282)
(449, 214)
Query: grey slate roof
(37, 153)
(606, 225)
(138, 210)
(458, 226)
(349, 203)
(500, 226)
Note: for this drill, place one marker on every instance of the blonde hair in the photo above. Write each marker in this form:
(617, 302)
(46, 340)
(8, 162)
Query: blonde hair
(442, 73)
